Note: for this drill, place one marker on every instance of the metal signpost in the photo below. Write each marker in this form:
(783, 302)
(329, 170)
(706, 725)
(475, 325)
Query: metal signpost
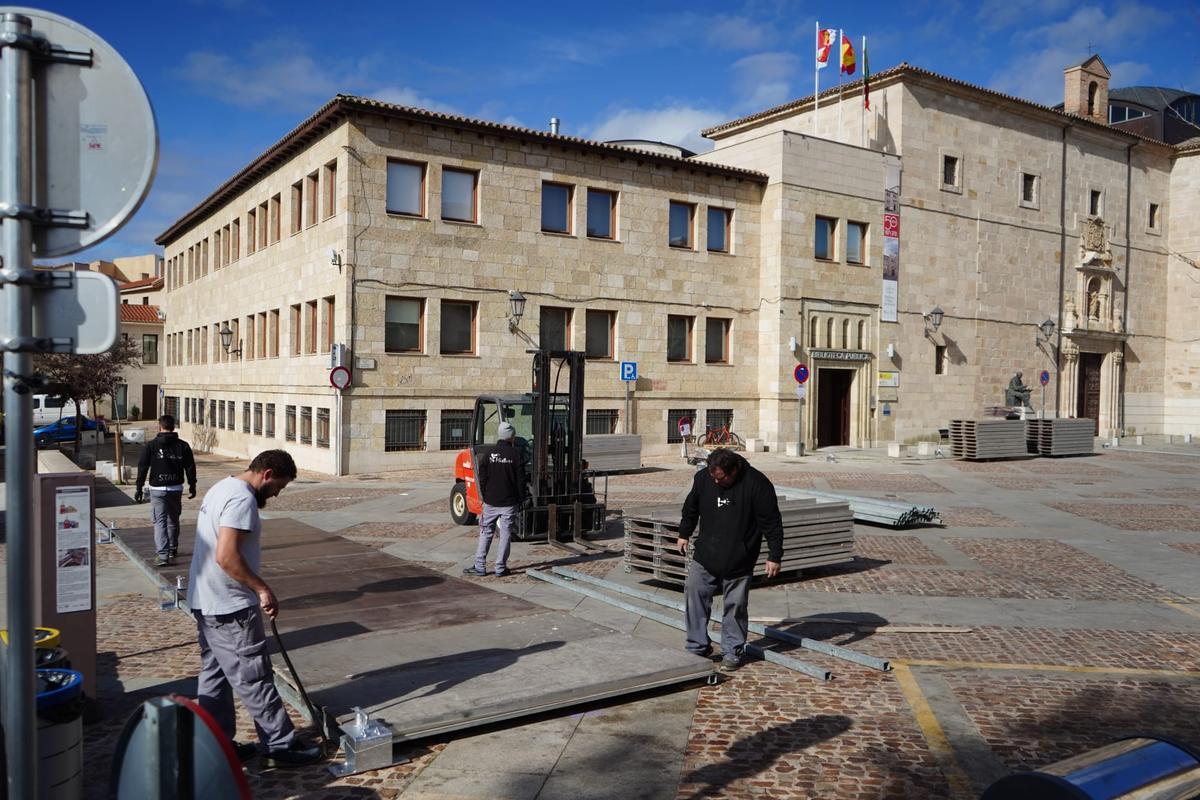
(629, 375)
(76, 161)
(1044, 378)
(801, 376)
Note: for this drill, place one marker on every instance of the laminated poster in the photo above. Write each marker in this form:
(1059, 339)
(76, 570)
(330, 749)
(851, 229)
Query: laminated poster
(73, 523)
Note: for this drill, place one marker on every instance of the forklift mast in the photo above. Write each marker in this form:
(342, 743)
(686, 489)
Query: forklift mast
(556, 474)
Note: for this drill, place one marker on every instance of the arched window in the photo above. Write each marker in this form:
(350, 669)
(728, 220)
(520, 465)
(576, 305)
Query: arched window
(1093, 299)
(862, 334)
(1093, 90)
(829, 332)
(812, 333)
(845, 334)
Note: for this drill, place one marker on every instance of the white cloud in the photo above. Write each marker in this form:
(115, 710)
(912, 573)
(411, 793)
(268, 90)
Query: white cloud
(737, 33)
(279, 75)
(675, 124)
(763, 80)
(996, 15)
(407, 96)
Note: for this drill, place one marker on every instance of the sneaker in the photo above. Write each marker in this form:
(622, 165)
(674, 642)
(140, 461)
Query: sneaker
(730, 662)
(500, 573)
(172, 553)
(476, 571)
(705, 653)
(245, 750)
(297, 754)
(162, 561)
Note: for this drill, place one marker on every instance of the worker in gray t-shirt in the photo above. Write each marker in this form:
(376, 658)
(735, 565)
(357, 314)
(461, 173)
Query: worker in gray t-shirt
(229, 599)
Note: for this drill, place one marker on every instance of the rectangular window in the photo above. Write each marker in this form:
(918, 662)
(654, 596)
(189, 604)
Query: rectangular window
(327, 314)
(295, 323)
(823, 238)
(276, 212)
(456, 430)
(258, 419)
(458, 327)
(251, 228)
(273, 334)
(204, 345)
(939, 359)
(289, 423)
(229, 408)
(306, 426)
(404, 325)
(260, 349)
(221, 414)
(674, 416)
(248, 344)
(679, 338)
(245, 416)
(601, 214)
(599, 335)
(1029, 188)
(406, 188)
(554, 328)
(217, 249)
(310, 200)
(718, 418)
(404, 430)
(856, 242)
(199, 412)
(950, 171)
(204, 256)
(600, 421)
(297, 206)
(458, 194)
(716, 341)
(269, 421)
(212, 413)
(310, 326)
(556, 207)
(1152, 218)
(262, 226)
(235, 244)
(1095, 204)
(322, 427)
(719, 229)
(149, 348)
(329, 206)
(682, 215)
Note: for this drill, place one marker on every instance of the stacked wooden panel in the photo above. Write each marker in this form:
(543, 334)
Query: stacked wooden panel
(814, 534)
(1063, 437)
(613, 452)
(985, 439)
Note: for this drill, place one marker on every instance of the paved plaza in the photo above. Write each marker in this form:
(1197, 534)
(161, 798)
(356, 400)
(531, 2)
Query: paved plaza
(1056, 610)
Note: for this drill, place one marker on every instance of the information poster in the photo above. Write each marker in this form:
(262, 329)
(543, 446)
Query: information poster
(73, 523)
(891, 243)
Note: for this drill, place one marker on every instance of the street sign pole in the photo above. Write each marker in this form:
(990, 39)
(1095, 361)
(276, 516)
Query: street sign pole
(628, 403)
(16, 193)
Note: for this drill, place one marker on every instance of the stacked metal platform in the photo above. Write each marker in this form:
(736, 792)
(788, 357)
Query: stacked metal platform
(889, 513)
(1062, 437)
(814, 534)
(613, 452)
(984, 439)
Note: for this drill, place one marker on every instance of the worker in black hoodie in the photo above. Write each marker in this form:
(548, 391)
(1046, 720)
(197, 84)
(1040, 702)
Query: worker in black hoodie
(168, 461)
(736, 507)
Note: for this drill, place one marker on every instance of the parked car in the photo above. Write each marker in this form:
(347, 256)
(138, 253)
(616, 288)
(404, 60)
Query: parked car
(49, 408)
(63, 430)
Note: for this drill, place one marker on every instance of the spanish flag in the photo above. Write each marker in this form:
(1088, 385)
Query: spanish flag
(847, 55)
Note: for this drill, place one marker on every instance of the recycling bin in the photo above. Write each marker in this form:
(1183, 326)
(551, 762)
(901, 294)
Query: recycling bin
(60, 734)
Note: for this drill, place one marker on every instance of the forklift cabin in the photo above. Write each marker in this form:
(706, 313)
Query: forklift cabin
(560, 502)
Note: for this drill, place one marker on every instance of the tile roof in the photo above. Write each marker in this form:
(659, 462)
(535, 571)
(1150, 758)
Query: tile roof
(136, 312)
(144, 283)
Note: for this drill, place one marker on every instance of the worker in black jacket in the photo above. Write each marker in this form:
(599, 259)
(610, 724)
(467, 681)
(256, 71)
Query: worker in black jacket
(736, 507)
(167, 460)
(500, 478)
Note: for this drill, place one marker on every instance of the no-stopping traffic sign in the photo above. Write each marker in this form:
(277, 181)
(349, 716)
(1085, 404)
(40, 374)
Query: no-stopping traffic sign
(801, 373)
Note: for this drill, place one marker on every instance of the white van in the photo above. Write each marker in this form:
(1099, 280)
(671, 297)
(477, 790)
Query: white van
(48, 408)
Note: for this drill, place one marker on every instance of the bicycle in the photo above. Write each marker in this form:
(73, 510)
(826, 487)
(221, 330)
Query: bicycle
(721, 436)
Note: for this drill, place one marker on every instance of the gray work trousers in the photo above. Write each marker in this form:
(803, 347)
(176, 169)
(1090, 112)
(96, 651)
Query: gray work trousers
(699, 589)
(164, 510)
(503, 518)
(234, 660)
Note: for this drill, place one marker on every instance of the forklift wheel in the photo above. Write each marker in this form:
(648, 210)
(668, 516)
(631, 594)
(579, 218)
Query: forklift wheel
(458, 506)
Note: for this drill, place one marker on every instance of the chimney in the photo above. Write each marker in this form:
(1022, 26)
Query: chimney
(554, 125)
(1085, 90)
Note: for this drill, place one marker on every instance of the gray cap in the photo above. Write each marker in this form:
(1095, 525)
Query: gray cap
(507, 431)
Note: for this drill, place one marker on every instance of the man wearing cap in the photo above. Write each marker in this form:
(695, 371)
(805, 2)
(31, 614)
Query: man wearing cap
(500, 477)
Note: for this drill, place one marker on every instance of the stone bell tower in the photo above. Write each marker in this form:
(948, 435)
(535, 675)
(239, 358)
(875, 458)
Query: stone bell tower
(1085, 90)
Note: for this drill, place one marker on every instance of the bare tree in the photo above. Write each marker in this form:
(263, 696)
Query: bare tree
(87, 378)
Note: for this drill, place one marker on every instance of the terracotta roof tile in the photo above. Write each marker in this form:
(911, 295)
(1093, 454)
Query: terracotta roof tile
(136, 312)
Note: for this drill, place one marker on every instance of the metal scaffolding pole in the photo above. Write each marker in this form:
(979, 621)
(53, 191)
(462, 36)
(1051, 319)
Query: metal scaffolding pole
(16, 250)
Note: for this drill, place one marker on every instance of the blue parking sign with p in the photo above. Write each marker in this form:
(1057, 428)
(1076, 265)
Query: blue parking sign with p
(629, 370)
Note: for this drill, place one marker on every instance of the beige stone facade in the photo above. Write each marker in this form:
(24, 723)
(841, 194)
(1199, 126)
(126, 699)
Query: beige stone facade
(1010, 213)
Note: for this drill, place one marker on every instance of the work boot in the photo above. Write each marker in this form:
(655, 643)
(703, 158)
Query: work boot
(730, 662)
(297, 754)
(172, 553)
(162, 561)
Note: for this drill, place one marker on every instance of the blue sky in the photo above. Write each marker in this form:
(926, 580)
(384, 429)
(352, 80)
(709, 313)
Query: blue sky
(229, 77)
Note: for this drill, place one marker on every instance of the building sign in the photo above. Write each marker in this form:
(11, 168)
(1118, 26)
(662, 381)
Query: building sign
(841, 355)
(891, 243)
(889, 378)
(73, 524)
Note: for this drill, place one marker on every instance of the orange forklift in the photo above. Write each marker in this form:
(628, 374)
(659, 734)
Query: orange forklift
(560, 502)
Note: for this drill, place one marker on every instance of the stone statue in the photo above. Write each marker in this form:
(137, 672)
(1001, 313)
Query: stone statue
(1017, 393)
(1069, 318)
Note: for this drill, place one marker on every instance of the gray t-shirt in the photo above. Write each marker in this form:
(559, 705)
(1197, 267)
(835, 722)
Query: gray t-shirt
(211, 591)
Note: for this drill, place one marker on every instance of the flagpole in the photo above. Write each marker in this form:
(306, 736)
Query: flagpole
(816, 78)
(863, 110)
(841, 35)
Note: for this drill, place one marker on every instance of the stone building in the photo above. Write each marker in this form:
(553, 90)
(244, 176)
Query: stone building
(389, 238)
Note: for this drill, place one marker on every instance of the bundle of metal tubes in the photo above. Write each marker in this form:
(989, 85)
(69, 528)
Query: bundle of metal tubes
(893, 514)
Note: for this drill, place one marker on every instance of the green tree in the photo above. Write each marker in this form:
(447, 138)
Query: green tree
(89, 377)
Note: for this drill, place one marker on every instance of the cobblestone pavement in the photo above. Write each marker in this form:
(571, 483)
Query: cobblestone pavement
(1057, 609)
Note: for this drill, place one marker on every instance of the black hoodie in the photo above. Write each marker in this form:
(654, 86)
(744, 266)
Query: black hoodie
(168, 460)
(733, 522)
